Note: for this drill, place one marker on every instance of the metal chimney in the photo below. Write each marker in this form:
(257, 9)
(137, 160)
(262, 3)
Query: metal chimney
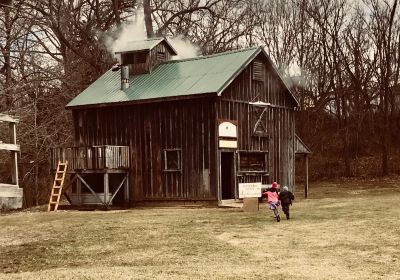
(124, 77)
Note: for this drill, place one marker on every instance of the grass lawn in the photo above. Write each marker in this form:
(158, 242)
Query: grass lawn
(346, 230)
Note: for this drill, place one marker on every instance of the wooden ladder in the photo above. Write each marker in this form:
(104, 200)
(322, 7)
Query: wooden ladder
(57, 186)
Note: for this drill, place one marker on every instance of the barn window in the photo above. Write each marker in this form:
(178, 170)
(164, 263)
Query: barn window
(253, 161)
(172, 160)
(161, 56)
(134, 58)
(141, 57)
(258, 71)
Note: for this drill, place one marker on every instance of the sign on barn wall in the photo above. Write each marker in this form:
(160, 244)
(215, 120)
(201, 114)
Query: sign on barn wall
(227, 129)
(228, 144)
(227, 135)
(250, 190)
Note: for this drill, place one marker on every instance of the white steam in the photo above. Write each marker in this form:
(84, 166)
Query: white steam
(184, 48)
(134, 30)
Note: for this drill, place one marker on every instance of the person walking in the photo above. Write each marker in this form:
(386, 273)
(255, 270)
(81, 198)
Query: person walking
(286, 197)
(273, 199)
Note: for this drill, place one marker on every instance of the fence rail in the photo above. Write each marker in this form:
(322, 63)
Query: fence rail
(92, 158)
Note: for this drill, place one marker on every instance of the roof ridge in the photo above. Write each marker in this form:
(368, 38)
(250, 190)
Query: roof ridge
(211, 55)
(155, 38)
(148, 39)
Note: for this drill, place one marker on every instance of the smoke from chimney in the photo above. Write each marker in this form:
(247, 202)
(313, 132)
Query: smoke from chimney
(134, 30)
(184, 48)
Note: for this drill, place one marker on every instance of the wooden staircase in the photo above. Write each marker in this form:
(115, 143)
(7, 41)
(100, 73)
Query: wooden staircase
(57, 186)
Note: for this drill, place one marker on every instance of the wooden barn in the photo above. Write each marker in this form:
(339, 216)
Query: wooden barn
(184, 131)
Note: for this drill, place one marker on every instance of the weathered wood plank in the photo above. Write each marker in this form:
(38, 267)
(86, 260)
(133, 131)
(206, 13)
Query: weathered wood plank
(8, 118)
(10, 147)
(92, 158)
(306, 184)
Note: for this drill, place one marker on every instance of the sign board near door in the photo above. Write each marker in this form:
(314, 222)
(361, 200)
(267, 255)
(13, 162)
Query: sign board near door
(228, 144)
(227, 134)
(227, 129)
(250, 190)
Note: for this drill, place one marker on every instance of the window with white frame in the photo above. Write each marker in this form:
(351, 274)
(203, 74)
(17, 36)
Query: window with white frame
(172, 160)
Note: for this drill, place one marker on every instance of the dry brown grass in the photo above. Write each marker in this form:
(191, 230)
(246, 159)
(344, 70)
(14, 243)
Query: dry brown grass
(345, 231)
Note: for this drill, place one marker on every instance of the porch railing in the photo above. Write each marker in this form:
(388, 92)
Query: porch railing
(92, 158)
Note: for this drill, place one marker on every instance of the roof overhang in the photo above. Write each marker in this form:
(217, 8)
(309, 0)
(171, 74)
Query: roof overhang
(260, 50)
(301, 147)
(143, 101)
(281, 78)
(237, 73)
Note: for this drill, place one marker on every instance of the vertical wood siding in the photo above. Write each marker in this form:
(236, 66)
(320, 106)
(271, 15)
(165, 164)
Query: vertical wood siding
(149, 129)
(155, 59)
(234, 105)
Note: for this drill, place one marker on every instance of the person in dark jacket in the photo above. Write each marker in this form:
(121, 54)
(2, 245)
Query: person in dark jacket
(286, 198)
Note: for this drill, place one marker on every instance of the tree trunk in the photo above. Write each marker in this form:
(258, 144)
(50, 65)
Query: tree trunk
(385, 135)
(346, 142)
(147, 18)
(386, 94)
(116, 12)
(5, 101)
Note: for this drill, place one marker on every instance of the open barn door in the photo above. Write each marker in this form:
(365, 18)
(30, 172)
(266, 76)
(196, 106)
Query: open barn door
(227, 175)
(227, 144)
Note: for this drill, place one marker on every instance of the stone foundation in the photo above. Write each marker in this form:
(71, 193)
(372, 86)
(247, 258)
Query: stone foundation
(10, 197)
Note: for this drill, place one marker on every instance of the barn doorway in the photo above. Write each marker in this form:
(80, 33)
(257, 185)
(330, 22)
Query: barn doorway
(227, 175)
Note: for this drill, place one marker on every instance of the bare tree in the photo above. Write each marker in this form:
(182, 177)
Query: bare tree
(383, 20)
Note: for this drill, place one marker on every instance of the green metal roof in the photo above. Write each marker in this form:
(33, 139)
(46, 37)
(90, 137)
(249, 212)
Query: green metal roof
(179, 78)
(148, 44)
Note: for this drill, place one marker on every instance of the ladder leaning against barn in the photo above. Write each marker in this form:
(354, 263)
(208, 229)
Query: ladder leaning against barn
(57, 186)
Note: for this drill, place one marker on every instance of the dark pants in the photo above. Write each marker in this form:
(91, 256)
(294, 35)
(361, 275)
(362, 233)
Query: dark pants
(285, 208)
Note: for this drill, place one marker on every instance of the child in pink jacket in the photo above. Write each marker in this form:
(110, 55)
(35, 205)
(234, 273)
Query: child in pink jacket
(273, 199)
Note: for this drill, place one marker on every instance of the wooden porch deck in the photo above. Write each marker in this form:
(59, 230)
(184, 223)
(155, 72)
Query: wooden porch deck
(105, 163)
(92, 159)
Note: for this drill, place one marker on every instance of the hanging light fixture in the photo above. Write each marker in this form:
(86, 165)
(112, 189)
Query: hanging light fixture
(260, 104)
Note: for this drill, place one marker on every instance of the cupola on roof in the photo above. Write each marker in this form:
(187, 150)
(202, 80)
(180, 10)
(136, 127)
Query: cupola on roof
(145, 45)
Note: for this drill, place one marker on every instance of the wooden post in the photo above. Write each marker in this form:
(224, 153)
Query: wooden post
(14, 154)
(251, 204)
(89, 188)
(306, 185)
(79, 191)
(236, 187)
(219, 187)
(294, 173)
(117, 190)
(126, 189)
(106, 188)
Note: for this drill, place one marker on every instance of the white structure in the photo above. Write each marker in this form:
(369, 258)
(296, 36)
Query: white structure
(11, 194)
